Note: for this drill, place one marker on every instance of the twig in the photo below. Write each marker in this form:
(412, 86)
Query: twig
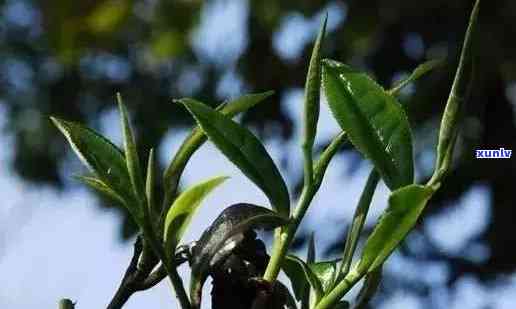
(141, 264)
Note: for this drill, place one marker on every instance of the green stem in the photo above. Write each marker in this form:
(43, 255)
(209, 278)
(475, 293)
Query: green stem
(308, 166)
(358, 221)
(285, 236)
(175, 279)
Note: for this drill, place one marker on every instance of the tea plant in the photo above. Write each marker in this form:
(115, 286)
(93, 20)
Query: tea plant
(372, 120)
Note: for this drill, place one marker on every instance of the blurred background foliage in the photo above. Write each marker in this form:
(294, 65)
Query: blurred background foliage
(68, 58)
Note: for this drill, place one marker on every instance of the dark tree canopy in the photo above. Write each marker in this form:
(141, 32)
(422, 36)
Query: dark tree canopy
(68, 58)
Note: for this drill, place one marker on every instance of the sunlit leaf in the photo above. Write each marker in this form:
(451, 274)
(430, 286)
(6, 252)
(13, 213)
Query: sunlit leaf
(131, 153)
(180, 214)
(374, 121)
(197, 138)
(224, 234)
(405, 207)
(242, 148)
(150, 183)
(103, 158)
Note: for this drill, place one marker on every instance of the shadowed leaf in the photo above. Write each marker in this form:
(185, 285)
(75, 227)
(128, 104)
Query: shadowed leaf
(225, 233)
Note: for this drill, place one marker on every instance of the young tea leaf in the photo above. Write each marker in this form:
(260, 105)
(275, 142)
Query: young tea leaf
(301, 276)
(421, 70)
(405, 207)
(326, 273)
(242, 148)
(374, 121)
(131, 153)
(181, 212)
(149, 184)
(449, 124)
(225, 233)
(311, 106)
(103, 158)
(197, 138)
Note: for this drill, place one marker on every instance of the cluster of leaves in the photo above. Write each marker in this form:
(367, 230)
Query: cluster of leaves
(371, 119)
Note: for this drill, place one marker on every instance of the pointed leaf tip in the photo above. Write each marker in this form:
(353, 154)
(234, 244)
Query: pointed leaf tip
(182, 211)
(131, 154)
(373, 120)
(243, 149)
(102, 158)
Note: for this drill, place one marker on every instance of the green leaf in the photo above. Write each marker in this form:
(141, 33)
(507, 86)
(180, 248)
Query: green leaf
(103, 158)
(311, 106)
(374, 121)
(100, 187)
(197, 138)
(421, 70)
(131, 153)
(241, 147)
(460, 89)
(301, 277)
(243, 103)
(326, 273)
(181, 212)
(225, 233)
(405, 207)
(150, 183)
